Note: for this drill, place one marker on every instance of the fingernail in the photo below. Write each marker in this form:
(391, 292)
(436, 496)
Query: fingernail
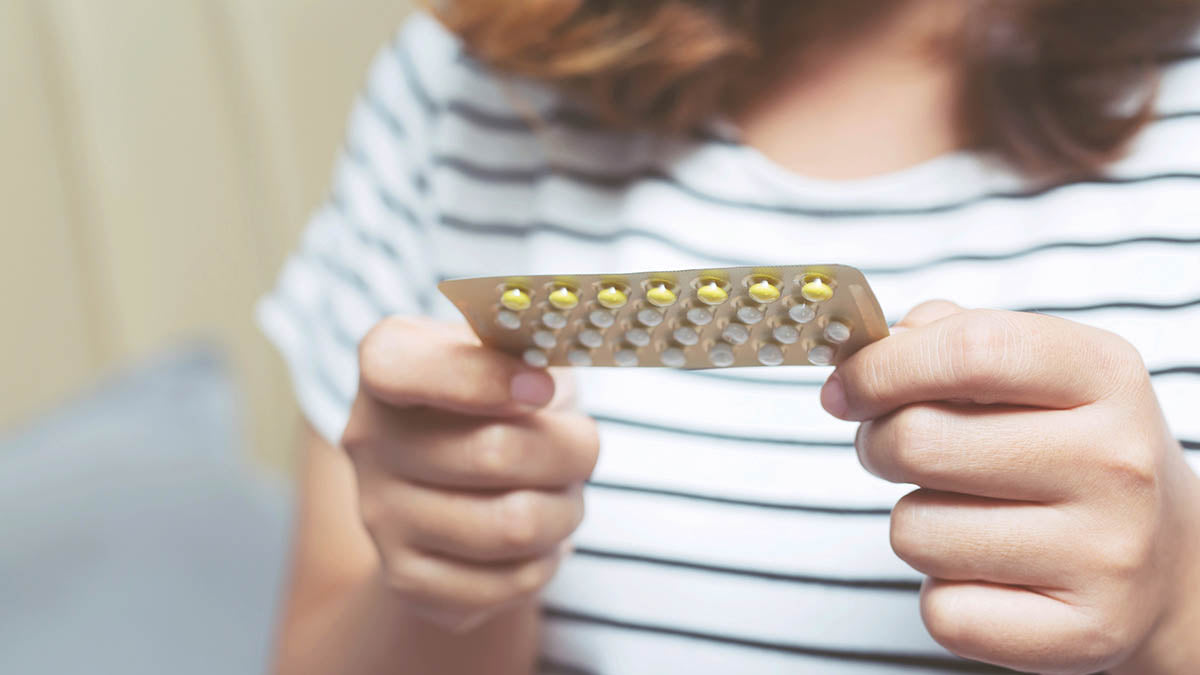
(833, 397)
(532, 388)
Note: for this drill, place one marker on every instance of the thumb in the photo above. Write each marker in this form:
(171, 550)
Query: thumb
(925, 314)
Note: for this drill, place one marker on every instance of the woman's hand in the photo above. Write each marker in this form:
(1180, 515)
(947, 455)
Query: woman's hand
(1058, 521)
(469, 467)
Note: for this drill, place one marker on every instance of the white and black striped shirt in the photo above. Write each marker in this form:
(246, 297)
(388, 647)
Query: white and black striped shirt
(729, 528)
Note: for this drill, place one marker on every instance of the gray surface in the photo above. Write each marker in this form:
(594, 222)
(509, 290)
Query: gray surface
(133, 537)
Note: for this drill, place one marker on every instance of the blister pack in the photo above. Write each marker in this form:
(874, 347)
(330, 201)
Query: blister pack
(792, 315)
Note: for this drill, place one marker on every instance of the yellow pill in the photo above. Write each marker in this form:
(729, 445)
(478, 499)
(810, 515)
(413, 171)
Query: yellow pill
(661, 296)
(516, 299)
(712, 293)
(612, 298)
(764, 291)
(817, 290)
(564, 298)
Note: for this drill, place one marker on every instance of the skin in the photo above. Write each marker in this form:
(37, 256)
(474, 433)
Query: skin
(1057, 519)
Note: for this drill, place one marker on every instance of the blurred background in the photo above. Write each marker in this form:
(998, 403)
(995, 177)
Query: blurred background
(158, 160)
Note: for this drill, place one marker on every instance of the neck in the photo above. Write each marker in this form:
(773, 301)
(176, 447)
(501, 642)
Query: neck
(884, 100)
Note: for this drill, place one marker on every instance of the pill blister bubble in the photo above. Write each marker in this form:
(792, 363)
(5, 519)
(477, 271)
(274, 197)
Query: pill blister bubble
(564, 298)
(545, 339)
(649, 317)
(625, 358)
(637, 337)
(536, 358)
(837, 332)
(786, 334)
(770, 355)
(591, 339)
(674, 357)
(554, 320)
(686, 336)
(802, 313)
(721, 355)
(508, 320)
(700, 316)
(736, 334)
(516, 299)
(601, 318)
(612, 297)
(821, 355)
(580, 358)
(749, 315)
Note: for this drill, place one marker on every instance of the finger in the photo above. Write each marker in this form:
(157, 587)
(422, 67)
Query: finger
(1013, 627)
(486, 527)
(966, 538)
(448, 588)
(542, 450)
(926, 313)
(985, 357)
(991, 451)
(409, 362)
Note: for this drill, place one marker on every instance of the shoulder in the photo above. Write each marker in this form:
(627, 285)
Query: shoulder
(441, 72)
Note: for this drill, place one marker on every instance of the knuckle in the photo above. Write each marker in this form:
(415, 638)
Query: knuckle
(493, 452)
(380, 353)
(530, 578)
(1132, 467)
(401, 574)
(518, 528)
(913, 437)
(904, 529)
(979, 346)
(1125, 557)
(943, 619)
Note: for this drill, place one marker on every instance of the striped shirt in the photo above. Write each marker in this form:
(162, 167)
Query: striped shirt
(729, 527)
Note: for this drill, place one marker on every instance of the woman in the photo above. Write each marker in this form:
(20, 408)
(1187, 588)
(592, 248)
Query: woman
(1036, 156)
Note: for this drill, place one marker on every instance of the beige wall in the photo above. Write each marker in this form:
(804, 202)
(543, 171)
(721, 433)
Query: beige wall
(157, 160)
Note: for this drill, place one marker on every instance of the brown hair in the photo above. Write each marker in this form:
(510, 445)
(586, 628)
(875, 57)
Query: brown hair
(1055, 86)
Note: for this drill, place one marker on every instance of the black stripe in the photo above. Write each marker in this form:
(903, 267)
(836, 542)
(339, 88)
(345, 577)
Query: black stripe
(547, 666)
(1152, 306)
(790, 442)
(413, 79)
(1190, 445)
(393, 203)
(781, 506)
(947, 663)
(612, 182)
(725, 376)
(901, 585)
(385, 114)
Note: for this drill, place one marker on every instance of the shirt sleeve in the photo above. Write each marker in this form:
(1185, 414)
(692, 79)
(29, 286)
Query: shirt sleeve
(365, 254)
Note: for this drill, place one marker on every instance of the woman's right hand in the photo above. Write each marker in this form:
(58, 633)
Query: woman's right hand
(470, 470)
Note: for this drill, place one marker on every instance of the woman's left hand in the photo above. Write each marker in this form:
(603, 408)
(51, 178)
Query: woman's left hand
(1057, 519)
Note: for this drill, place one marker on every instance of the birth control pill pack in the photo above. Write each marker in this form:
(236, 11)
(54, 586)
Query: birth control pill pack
(791, 315)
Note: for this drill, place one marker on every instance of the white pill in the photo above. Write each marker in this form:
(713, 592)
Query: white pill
(736, 334)
(554, 320)
(686, 336)
(749, 315)
(721, 355)
(508, 320)
(837, 332)
(580, 358)
(821, 355)
(700, 316)
(649, 317)
(674, 358)
(770, 355)
(601, 318)
(591, 339)
(786, 334)
(637, 337)
(536, 358)
(802, 313)
(625, 358)
(545, 339)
